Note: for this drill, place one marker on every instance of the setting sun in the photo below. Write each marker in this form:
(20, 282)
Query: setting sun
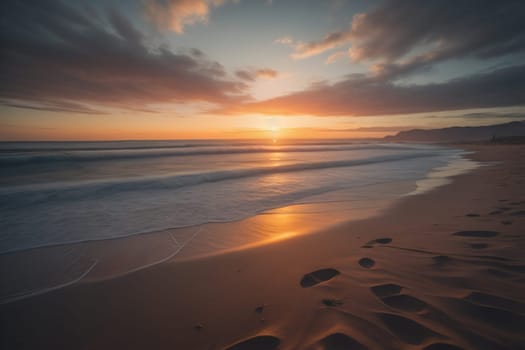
(275, 133)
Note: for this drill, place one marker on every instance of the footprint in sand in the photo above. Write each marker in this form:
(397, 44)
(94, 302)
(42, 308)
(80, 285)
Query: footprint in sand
(405, 302)
(313, 278)
(385, 290)
(261, 342)
(406, 329)
(389, 295)
(476, 233)
(367, 263)
(340, 341)
(442, 346)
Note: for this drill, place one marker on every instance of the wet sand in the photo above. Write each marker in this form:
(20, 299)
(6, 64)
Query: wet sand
(440, 270)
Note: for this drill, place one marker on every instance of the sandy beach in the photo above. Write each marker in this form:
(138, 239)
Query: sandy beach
(442, 270)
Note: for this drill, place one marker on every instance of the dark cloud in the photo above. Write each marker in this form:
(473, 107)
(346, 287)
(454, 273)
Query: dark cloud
(62, 106)
(401, 37)
(55, 56)
(447, 28)
(246, 75)
(364, 95)
(438, 29)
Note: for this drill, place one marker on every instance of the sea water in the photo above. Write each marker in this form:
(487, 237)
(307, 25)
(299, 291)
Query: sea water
(54, 193)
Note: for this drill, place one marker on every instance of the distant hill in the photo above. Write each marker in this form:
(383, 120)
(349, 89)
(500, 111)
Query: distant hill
(463, 133)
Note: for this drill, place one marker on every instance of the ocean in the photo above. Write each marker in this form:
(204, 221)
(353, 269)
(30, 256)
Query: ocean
(55, 193)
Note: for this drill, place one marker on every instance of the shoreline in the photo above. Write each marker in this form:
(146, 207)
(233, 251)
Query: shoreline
(266, 227)
(167, 312)
(69, 212)
(442, 175)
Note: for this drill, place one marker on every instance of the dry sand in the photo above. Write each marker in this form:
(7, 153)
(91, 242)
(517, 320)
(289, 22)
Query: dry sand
(441, 270)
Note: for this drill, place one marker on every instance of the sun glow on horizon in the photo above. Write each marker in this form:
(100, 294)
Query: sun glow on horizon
(275, 135)
(274, 129)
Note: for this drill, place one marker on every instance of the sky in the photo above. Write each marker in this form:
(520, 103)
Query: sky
(198, 69)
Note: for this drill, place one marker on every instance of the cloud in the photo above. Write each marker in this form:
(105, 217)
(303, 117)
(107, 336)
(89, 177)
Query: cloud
(330, 41)
(51, 106)
(267, 73)
(58, 57)
(304, 50)
(439, 29)
(176, 14)
(251, 75)
(367, 95)
(400, 37)
(447, 28)
(336, 57)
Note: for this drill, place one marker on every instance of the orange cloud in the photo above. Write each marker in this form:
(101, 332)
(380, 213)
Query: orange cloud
(312, 48)
(336, 57)
(331, 41)
(267, 73)
(176, 14)
(367, 95)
